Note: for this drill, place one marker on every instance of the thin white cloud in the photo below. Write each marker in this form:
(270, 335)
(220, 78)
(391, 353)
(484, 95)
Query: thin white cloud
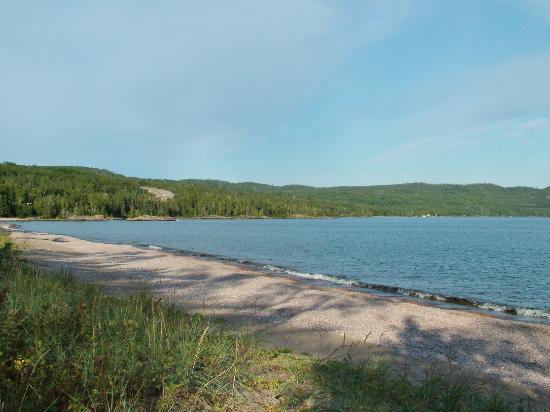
(524, 131)
(426, 148)
(527, 130)
(538, 124)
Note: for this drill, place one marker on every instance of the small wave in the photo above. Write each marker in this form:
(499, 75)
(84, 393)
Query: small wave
(312, 276)
(535, 313)
(528, 312)
(154, 247)
(499, 308)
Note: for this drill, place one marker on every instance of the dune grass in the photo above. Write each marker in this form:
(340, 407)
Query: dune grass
(66, 345)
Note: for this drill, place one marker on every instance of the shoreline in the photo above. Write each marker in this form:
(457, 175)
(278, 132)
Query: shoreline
(213, 217)
(490, 309)
(511, 351)
(439, 300)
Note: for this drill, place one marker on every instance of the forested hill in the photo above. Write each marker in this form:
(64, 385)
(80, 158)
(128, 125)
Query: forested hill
(60, 192)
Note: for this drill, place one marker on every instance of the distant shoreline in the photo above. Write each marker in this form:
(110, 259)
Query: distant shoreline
(180, 218)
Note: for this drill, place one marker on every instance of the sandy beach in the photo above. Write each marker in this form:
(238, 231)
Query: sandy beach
(312, 317)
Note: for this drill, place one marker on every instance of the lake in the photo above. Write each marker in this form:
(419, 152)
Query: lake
(495, 263)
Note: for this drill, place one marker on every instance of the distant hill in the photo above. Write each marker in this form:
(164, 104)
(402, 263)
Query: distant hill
(63, 191)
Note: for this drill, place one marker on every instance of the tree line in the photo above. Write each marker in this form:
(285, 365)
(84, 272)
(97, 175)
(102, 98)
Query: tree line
(61, 192)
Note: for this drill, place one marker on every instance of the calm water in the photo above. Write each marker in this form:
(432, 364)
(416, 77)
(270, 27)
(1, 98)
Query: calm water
(498, 260)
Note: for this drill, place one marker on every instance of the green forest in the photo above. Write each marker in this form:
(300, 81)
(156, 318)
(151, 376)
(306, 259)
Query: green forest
(68, 191)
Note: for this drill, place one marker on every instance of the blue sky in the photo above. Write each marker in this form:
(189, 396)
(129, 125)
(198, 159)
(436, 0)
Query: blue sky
(312, 91)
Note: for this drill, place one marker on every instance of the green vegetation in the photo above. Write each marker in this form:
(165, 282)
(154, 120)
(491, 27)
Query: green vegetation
(66, 345)
(61, 192)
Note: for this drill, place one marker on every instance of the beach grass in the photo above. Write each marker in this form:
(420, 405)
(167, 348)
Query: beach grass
(67, 345)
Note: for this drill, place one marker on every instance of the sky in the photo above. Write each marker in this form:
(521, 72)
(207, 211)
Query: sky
(316, 92)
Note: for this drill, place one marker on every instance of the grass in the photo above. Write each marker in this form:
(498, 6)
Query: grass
(66, 345)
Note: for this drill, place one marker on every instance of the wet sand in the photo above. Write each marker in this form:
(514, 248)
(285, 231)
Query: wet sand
(309, 317)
